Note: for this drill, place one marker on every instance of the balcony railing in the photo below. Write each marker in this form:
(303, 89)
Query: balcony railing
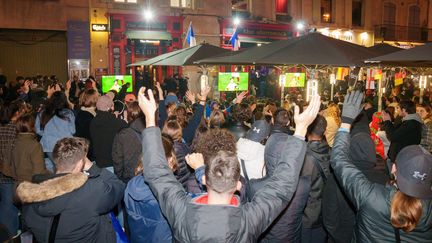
(402, 33)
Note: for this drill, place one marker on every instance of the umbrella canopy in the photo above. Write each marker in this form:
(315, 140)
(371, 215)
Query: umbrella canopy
(183, 57)
(383, 49)
(311, 49)
(420, 56)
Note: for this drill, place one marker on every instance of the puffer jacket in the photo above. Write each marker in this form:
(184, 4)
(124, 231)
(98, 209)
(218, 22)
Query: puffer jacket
(126, 150)
(252, 153)
(146, 221)
(409, 132)
(373, 201)
(318, 152)
(228, 223)
(83, 202)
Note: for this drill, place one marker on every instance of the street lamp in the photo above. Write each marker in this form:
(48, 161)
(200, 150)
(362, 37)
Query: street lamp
(148, 14)
(236, 21)
(300, 26)
(332, 82)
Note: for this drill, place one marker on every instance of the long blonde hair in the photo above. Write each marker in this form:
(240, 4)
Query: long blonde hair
(333, 111)
(406, 211)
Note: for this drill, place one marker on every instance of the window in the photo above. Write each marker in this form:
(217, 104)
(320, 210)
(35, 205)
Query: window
(389, 15)
(327, 11)
(240, 5)
(414, 16)
(357, 12)
(125, 1)
(282, 6)
(181, 3)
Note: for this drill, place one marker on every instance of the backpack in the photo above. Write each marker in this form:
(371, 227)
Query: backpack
(252, 185)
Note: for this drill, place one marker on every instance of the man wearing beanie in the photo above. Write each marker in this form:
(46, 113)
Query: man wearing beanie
(103, 129)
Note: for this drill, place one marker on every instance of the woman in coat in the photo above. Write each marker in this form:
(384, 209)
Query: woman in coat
(146, 221)
(401, 212)
(55, 122)
(85, 115)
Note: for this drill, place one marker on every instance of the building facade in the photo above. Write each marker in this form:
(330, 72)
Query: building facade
(82, 37)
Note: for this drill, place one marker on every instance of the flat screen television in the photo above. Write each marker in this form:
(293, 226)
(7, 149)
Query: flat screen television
(233, 81)
(115, 82)
(295, 79)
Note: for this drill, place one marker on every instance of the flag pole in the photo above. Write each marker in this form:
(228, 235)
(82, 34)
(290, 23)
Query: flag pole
(187, 33)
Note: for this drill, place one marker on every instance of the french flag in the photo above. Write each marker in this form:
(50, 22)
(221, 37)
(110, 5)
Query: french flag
(235, 42)
(190, 37)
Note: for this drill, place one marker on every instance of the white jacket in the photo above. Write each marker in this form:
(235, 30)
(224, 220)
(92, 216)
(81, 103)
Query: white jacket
(253, 155)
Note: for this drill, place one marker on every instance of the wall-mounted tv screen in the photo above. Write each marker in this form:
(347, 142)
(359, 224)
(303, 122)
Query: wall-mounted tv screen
(295, 79)
(233, 81)
(115, 82)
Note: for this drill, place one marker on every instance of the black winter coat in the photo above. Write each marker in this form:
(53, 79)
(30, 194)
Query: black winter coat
(184, 173)
(196, 222)
(372, 201)
(82, 128)
(126, 150)
(238, 129)
(103, 129)
(83, 202)
(409, 132)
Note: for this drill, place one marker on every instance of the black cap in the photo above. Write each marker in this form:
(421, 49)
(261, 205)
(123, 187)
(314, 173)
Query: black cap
(414, 172)
(260, 130)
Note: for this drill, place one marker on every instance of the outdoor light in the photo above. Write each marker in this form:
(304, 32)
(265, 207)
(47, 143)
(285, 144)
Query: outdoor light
(148, 14)
(336, 34)
(259, 44)
(364, 36)
(348, 34)
(325, 31)
(237, 21)
(300, 26)
(423, 81)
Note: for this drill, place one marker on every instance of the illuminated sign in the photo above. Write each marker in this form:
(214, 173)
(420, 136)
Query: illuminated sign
(99, 27)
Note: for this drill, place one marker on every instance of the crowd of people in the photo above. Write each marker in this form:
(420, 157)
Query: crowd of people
(77, 165)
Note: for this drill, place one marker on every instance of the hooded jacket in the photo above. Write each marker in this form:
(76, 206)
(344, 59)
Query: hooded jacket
(253, 155)
(409, 132)
(372, 201)
(83, 202)
(126, 150)
(146, 221)
(196, 222)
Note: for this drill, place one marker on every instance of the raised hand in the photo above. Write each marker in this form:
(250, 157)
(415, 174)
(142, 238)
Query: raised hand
(148, 106)
(195, 160)
(160, 91)
(240, 97)
(352, 106)
(26, 87)
(385, 116)
(190, 96)
(303, 120)
(204, 92)
(68, 85)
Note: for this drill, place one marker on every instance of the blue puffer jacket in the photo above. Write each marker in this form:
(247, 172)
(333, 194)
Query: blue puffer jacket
(146, 221)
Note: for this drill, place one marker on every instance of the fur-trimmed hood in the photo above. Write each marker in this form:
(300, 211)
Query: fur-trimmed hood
(29, 192)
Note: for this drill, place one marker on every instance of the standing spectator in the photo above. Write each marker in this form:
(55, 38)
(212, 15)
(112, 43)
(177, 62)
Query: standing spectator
(281, 122)
(242, 114)
(8, 133)
(103, 129)
(126, 149)
(409, 132)
(85, 115)
(332, 115)
(54, 122)
(393, 213)
(75, 202)
(171, 90)
(425, 112)
(317, 168)
(76, 87)
(146, 221)
(27, 154)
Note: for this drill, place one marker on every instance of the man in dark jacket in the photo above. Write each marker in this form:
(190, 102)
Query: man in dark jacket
(316, 167)
(282, 119)
(73, 204)
(241, 114)
(103, 129)
(407, 133)
(217, 216)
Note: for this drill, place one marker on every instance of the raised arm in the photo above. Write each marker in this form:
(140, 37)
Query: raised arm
(189, 130)
(269, 201)
(163, 115)
(169, 192)
(355, 184)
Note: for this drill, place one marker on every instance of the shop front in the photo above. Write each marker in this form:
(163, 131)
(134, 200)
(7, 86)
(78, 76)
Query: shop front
(132, 39)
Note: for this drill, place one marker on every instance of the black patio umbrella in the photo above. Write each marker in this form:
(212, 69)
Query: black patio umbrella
(311, 49)
(183, 57)
(420, 56)
(383, 49)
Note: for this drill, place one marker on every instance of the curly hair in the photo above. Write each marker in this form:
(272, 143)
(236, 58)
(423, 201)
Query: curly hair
(242, 112)
(214, 140)
(333, 111)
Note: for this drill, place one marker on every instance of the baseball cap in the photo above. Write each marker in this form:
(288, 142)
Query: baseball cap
(414, 172)
(104, 103)
(260, 130)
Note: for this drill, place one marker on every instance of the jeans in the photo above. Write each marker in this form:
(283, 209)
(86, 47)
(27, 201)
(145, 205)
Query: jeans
(8, 211)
